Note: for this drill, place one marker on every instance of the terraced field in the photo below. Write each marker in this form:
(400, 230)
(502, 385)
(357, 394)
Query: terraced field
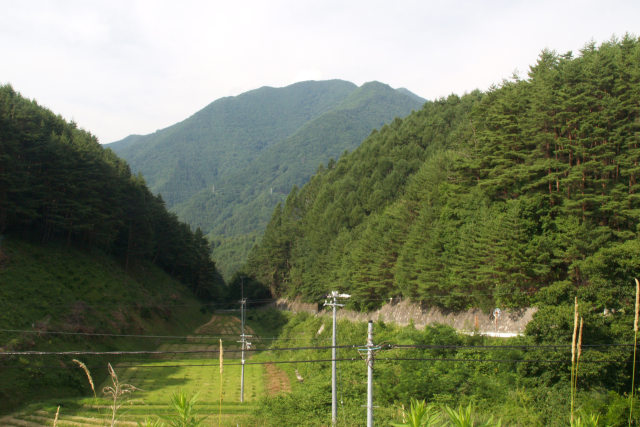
(158, 378)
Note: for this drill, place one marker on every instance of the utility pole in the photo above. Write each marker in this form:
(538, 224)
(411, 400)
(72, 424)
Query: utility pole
(334, 295)
(243, 339)
(242, 342)
(370, 374)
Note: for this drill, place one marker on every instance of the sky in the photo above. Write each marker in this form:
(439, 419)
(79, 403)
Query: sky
(122, 67)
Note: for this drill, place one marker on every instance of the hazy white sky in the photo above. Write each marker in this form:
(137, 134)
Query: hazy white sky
(120, 67)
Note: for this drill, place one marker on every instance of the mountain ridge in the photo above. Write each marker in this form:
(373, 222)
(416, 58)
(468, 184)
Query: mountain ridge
(233, 195)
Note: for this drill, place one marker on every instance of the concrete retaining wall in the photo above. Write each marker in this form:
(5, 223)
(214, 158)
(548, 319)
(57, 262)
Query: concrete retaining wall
(403, 312)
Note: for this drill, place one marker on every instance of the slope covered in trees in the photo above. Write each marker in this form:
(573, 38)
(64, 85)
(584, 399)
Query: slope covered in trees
(240, 209)
(224, 136)
(525, 193)
(225, 168)
(58, 183)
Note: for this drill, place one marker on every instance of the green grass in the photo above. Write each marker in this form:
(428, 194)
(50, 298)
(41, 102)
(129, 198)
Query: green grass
(159, 379)
(58, 288)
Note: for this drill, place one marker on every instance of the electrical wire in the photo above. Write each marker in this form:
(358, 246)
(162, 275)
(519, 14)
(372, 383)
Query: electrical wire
(187, 365)
(160, 352)
(435, 359)
(351, 359)
(513, 346)
(188, 337)
(303, 348)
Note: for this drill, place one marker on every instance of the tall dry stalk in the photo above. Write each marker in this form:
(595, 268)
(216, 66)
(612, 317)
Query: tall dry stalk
(578, 354)
(635, 345)
(55, 420)
(117, 391)
(573, 355)
(221, 371)
(86, 371)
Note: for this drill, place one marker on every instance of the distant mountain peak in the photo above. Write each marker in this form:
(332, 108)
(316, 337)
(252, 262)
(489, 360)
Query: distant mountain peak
(253, 147)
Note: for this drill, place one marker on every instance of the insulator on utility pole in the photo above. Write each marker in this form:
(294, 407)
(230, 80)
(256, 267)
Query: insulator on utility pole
(334, 295)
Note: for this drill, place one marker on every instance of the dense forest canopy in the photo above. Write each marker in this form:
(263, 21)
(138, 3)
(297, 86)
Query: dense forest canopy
(525, 193)
(57, 182)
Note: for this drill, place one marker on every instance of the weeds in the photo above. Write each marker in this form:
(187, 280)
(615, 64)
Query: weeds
(589, 420)
(462, 417)
(184, 409)
(151, 423)
(423, 415)
(117, 392)
(420, 415)
(86, 371)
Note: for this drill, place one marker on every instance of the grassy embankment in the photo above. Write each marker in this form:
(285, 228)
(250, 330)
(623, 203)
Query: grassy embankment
(49, 294)
(58, 289)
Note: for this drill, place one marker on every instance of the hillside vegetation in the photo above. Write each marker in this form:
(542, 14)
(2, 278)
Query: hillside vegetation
(524, 194)
(225, 168)
(55, 298)
(57, 183)
(519, 381)
(85, 248)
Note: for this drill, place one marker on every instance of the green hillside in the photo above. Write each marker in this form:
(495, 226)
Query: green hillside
(524, 194)
(224, 136)
(237, 212)
(59, 184)
(53, 295)
(226, 168)
(85, 248)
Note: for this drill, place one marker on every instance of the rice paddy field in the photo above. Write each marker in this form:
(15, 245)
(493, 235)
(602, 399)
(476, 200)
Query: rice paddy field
(157, 377)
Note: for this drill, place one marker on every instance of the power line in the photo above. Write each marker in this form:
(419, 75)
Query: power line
(351, 359)
(513, 346)
(97, 334)
(159, 305)
(275, 349)
(217, 364)
(435, 359)
(159, 352)
(188, 337)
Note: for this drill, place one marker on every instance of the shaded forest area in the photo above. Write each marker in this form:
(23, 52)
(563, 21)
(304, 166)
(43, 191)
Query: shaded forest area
(58, 183)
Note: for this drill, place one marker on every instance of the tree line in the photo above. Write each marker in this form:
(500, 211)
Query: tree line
(522, 194)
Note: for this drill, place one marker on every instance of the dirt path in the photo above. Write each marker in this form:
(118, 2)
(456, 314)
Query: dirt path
(223, 325)
(277, 380)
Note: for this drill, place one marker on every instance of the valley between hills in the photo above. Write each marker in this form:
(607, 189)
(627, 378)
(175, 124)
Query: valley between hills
(135, 254)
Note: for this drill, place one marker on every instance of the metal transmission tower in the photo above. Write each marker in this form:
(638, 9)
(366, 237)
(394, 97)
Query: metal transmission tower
(333, 296)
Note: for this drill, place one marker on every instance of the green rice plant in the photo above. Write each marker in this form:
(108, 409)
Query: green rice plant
(148, 422)
(183, 406)
(420, 415)
(463, 417)
(586, 420)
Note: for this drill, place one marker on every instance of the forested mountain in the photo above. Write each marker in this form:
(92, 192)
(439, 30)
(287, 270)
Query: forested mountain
(58, 183)
(526, 193)
(225, 136)
(225, 168)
